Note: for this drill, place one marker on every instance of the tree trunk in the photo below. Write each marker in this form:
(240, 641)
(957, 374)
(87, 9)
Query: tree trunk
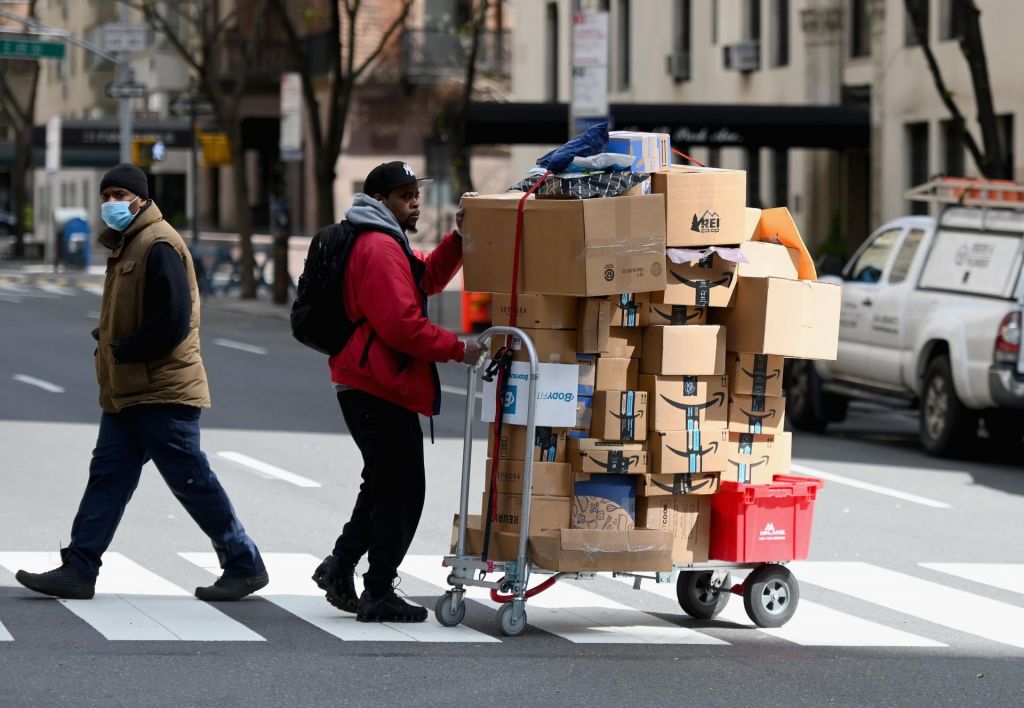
(973, 48)
(20, 176)
(243, 222)
(325, 175)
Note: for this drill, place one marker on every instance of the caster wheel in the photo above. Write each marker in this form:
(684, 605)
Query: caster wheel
(447, 613)
(696, 596)
(770, 595)
(510, 622)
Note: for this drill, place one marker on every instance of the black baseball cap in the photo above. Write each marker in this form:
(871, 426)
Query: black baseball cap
(388, 176)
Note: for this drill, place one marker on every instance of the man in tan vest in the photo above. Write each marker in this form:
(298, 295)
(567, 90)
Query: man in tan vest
(152, 389)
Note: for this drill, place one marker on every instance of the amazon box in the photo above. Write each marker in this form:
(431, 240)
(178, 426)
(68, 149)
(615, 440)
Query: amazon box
(594, 323)
(683, 350)
(661, 313)
(686, 517)
(623, 343)
(585, 550)
(686, 402)
(767, 260)
(796, 318)
(603, 374)
(704, 206)
(504, 545)
(760, 415)
(619, 415)
(689, 451)
(660, 485)
(630, 309)
(705, 282)
(595, 456)
(754, 374)
(545, 512)
(535, 311)
(549, 444)
(604, 501)
(578, 247)
(550, 479)
(756, 459)
(554, 346)
(584, 414)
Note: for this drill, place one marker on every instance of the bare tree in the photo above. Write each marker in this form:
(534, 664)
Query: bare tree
(327, 128)
(989, 156)
(20, 106)
(454, 122)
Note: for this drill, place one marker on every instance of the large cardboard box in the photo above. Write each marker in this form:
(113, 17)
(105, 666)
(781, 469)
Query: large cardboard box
(686, 402)
(767, 260)
(554, 346)
(550, 479)
(754, 374)
(580, 247)
(761, 415)
(687, 451)
(707, 282)
(683, 350)
(658, 312)
(584, 414)
(604, 374)
(662, 485)
(630, 309)
(504, 545)
(687, 518)
(535, 311)
(623, 343)
(545, 512)
(549, 444)
(555, 395)
(704, 206)
(797, 318)
(604, 501)
(650, 151)
(756, 459)
(619, 415)
(594, 322)
(585, 550)
(607, 456)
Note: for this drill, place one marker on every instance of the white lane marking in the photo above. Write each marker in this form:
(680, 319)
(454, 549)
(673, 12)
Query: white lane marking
(576, 614)
(5, 636)
(455, 390)
(867, 486)
(94, 289)
(39, 383)
(1005, 576)
(240, 346)
(932, 602)
(267, 469)
(10, 298)
(92, 315)
(292, 589)
(133, 603)
(812, 625)
(57, 289)
(26, 291)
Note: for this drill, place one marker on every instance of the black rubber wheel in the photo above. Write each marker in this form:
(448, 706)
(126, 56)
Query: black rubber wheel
(946, 426)
(508, 623)
(446, 613)
(693, 588)
(803, 398)
(770, 595)
(1006, 430)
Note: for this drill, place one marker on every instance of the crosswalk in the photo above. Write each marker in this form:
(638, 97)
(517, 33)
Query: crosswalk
(134, 603)
(15, 291)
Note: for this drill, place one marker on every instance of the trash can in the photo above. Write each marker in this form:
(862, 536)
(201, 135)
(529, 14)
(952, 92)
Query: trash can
(71, 228)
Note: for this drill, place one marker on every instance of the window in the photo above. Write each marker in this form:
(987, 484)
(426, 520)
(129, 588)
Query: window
(860, 29)
(780, 177)
(905, 256)
(952, 149)
(714, 156)
(870, 264)
(950, 19)
(911, 35)
(917, 161)
(1005, 128)
(780, 32)
(753, 177)
(683, 41)
(624, 44)
(552, 49)
(714, 22)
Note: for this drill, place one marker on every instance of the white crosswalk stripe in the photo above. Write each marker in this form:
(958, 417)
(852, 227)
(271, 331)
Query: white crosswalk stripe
(5, 636)
(1005, 576)
(57, 289)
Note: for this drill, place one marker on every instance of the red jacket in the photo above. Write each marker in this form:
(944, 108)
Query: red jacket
(401, 344)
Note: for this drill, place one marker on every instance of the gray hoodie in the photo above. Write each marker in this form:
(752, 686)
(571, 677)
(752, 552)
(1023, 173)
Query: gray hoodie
(369, 213)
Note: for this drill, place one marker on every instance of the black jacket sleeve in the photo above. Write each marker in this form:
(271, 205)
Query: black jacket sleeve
(166, 307)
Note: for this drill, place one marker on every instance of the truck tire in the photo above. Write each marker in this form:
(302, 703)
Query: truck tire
(946, 426)
(1006, 430)
(803, 398)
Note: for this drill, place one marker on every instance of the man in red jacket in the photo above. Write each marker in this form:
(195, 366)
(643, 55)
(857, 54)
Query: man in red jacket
(385, 377)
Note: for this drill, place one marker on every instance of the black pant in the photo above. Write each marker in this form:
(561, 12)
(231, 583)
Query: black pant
(390, 500)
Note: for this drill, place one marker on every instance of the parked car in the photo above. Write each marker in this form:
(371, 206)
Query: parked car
(931, 318)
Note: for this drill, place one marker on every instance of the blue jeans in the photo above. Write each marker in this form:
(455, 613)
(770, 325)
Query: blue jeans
(168, 435)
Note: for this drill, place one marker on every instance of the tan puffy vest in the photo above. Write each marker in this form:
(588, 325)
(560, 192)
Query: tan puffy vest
(179, 376)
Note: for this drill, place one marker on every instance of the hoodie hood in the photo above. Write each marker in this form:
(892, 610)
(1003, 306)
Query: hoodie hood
(367, 213)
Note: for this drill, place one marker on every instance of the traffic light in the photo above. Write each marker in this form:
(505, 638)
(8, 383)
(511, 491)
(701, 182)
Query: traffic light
(147, 149)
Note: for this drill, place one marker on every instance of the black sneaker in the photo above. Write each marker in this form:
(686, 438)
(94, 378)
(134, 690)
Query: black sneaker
(229, 589)
(64, 582)
(338, 583)
(388, 608)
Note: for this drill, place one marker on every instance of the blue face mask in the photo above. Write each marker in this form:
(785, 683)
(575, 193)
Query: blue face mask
(117, 215)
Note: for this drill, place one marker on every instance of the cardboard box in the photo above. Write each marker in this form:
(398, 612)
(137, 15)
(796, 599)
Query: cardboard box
(756, 459)
(797, 318)
(550, 479)
(549, 444)
(584, 550)
(687, 518)
(686, 402)
(580, 247)
(767, 260)
(662, 485)
(660, 313)
(760, 415)
(650, 151)
(594, 456)
(504, 545)
(555, 394)
(708, 282)
(630, 309)
(623, 343)
(535, 311)
(704, 206)
(584, 413)
(683, 350)
(619, 415)
(594, 322)
(554, 346)
(603, 374)
(688, 451)
(545, 512)
(604, 501)
(756, 374)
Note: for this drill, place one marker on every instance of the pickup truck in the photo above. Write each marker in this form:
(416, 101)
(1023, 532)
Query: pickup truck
(932, 319)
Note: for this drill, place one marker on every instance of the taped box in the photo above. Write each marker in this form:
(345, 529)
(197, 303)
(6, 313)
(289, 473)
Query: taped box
(604, 501)
(619, 415)
(623, 343)
(554, 346)
(536, 311)
(767, 260)
(594, 322)
(704, 206)
(605, 374)
(686, 402)
(605, 456)
(504, 545)
(755, 374)
(661, 313)
(585, 550)
(756, 459)
(687, 451)
(555, 395)
(545, 512)
(549, 479)
(630, 309)
(683, 350)
(687, 518)
(657, 485)
(706, 282)
(760, 415)
(549, 444)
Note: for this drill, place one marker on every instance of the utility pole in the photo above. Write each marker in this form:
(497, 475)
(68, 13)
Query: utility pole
(124, 76)
(588, 57)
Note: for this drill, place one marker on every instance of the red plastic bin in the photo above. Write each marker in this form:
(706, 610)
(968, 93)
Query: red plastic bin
(763, 522)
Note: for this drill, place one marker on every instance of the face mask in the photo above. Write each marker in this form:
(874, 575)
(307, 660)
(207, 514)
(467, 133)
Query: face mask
(117, 215)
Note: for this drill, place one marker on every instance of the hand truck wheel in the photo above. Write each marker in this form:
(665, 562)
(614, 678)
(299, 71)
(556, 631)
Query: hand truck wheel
(770, 595)
(698, 598)
(512, 618)
(447, 612)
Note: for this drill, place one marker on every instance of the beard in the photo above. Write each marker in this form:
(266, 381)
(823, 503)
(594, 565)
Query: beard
(409, 227)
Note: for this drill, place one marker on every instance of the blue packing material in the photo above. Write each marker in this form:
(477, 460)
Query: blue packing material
(592, 141)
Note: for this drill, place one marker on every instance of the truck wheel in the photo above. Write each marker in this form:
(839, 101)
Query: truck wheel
(803, 398)
(1005, 430)
(946, 427)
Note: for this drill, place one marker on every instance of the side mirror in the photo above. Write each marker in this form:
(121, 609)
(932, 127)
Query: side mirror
(830, 264)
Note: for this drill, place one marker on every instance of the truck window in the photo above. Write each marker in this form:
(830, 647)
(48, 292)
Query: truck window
(869, 265)
(972, 262)
(905, 256)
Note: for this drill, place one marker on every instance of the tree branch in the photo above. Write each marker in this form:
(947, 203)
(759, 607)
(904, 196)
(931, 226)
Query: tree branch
(301, 60)
(973, 48)
(398, 22)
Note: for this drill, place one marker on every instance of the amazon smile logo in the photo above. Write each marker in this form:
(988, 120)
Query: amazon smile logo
(716, 400)
(725, 280)
(617, 462)
(679, 314)
(682, 484)
(758, 418)
(765, 376)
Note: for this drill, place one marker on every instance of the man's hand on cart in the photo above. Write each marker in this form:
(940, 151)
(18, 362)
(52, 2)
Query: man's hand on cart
(474, 350)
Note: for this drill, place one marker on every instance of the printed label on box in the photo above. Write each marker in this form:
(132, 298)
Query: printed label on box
(556, 395)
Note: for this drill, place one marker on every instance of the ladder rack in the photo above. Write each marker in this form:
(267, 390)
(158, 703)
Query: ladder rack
(969, 191)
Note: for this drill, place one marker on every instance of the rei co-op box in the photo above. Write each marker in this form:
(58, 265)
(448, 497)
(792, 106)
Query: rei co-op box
(704, 206)
(580, 247)
(535, 311)
(683, 350)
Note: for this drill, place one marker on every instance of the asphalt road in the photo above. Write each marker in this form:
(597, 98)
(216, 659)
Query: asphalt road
(914, 592)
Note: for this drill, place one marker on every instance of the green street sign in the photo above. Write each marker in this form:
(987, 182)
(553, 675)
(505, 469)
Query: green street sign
(31, 49)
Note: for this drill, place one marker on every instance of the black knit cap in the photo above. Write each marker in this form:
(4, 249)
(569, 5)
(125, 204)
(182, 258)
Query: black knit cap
(126, 176)
(388, 176)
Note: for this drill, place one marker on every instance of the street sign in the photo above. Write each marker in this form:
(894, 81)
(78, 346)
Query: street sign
(589, 96)
(53, 141)
(290, 141)
(186, 106)
(118, 37)
(31, 49)
(125, 90)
